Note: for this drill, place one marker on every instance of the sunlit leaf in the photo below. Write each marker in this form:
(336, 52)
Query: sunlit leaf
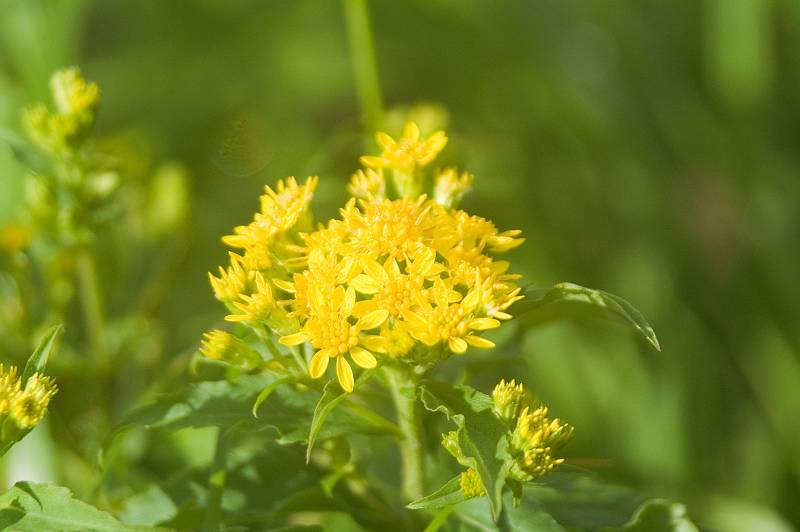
(31, 506)
(481, 436)
(567, 300)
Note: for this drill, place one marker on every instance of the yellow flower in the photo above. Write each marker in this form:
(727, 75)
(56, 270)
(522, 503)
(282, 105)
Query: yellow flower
(408, 152)
(258, 306)
(330, 330)
(470, 484)
(369, 185)
(232, 282)
(281, 209)
(223, 346)
(397, 228)
(29, 406)
(508, 398)
(73, 94)
(448, 321)
(533, 442)
(9, 387)
(392, 289)
(450, 187)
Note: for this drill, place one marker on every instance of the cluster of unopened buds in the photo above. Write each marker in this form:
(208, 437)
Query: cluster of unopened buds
(400, 274)
(532, 438)
(23, 404)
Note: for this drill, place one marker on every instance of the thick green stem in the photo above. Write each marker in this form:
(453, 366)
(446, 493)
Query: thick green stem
(216, 485)
(402, 383)
(365, 70)
(91, 301)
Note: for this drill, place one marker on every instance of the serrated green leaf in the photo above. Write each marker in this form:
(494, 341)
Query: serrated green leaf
(481, 436)
(448, 495)
(31, 506)
(38, 360)
(568, 300)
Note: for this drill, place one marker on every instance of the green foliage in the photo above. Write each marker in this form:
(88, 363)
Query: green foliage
(38, 360)
(567, 300)
(30, 506)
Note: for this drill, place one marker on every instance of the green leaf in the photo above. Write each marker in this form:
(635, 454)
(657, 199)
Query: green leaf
(267, 391)
(476, 514)
(447, 495)
(659, 515)
(332, 395)
(24, 152)
(567, 300)
(287, 409)
(481, 436)
(38, 360)
(31, 506)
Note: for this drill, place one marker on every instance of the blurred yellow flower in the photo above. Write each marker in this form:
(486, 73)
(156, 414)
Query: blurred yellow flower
(408, 152)
(470, 484)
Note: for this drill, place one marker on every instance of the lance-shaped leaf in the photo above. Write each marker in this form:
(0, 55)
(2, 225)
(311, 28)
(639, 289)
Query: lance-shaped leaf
(38, 360)
(447, 495)
(659, 515)
(567, 300)
(481, 436)
(31, 506)
(24, 152)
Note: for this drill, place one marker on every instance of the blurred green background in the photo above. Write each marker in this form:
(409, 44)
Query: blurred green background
(647, 148)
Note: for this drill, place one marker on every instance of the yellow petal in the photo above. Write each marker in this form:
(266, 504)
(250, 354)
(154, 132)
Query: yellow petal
(471, 301)
(365, 284)
(372, 161)
(457, 345)
(286, 286)
(349, 301)
(483, 324)
(374, 343)
(294, 339)
(319, 363)
(375, 270)
(373, 319)
(383, 140)
(363, 358)
(362, 308)
(477, 341)
(345, 374)
(411, 131)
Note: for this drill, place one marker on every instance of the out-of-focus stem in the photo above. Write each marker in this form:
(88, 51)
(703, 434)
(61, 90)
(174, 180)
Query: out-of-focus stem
(365, 70)
(91, 301)
(216, 485)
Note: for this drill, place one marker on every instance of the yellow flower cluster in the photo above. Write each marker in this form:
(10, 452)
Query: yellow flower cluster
(76, 101)
(223, 346)
(534, 437)
(470, 483)
(25, 405)
(397, 274)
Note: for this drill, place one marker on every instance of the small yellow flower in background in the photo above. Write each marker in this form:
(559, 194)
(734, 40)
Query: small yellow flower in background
(76, 102)
(223, 346)
(368, 185)
(450, 187)
(397, 274)
(470, 484)
(408, 152)
(72, 94)
(15, 238)
(28, 406)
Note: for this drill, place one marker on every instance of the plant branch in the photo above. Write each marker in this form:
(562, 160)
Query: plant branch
(91, 300)
(216, 484)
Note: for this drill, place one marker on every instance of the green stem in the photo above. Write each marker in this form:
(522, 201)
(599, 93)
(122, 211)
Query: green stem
(402, 384)
(91, 300)
(216, 485)
(365, 70)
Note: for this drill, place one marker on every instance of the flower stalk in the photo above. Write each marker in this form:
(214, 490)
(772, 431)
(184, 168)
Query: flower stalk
(402, 384)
